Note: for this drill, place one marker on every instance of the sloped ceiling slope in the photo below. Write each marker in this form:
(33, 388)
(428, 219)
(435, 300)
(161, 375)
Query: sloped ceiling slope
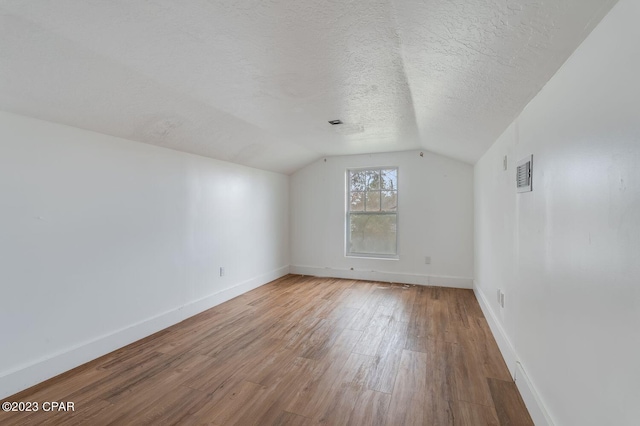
(255, 81)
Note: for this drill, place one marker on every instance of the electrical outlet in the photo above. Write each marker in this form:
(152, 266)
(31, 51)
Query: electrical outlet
(502, 300)
(222, 271)
(504, 163)
(427, 260)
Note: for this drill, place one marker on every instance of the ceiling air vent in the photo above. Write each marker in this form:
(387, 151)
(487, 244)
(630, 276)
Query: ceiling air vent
(523, 174)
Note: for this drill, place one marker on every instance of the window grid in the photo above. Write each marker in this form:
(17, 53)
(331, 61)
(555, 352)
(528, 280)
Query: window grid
(372, 193)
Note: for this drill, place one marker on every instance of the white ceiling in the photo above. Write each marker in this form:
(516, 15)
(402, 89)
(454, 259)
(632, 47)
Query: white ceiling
(255, 81)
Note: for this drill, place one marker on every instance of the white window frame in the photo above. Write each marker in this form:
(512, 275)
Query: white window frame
(386, 212)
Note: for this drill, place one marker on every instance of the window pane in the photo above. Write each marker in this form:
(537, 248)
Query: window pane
(357, 202)
(372, 234)
(358, 181)
(389, 200)
(389, 179)
(373, 201)
(373, 180)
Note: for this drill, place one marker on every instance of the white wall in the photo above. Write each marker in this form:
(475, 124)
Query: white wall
(435, 218)
(567, 254)
(104, 241)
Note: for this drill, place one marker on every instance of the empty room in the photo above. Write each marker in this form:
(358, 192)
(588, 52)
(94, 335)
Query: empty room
(360, 212)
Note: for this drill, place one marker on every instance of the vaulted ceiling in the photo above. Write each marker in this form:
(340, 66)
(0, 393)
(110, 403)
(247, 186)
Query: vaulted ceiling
(255, 81)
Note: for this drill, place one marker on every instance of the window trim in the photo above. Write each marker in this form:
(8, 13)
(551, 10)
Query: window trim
(347, 234)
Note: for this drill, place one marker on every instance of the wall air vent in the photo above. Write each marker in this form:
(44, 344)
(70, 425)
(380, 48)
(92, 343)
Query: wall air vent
(524, 174)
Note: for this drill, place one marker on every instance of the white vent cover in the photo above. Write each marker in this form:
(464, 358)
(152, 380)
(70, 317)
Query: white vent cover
(523, 174)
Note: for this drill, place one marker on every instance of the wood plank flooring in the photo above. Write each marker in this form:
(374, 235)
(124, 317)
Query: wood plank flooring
(301, 351)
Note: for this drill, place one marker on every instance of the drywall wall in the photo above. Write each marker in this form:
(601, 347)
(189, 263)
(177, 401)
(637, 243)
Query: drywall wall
(567, 254)
(104, 241)
(435, 218)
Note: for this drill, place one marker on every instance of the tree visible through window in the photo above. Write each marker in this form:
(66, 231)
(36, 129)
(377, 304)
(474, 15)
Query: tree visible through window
(372, 212)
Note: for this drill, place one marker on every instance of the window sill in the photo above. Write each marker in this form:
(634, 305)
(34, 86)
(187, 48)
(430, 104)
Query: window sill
(373, 257)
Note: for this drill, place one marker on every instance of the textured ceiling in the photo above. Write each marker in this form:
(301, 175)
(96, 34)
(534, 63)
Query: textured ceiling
(255, 81)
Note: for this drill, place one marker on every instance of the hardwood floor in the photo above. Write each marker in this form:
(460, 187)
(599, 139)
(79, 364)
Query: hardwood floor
(301, 351)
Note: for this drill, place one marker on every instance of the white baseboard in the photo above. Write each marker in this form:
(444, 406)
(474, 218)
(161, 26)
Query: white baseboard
(394, 277)
(504, 343)
(208, 302)
(530, 396)
(26, 376)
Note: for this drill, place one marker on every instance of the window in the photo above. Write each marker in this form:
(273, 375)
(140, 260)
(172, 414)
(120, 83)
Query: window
(372, 212)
